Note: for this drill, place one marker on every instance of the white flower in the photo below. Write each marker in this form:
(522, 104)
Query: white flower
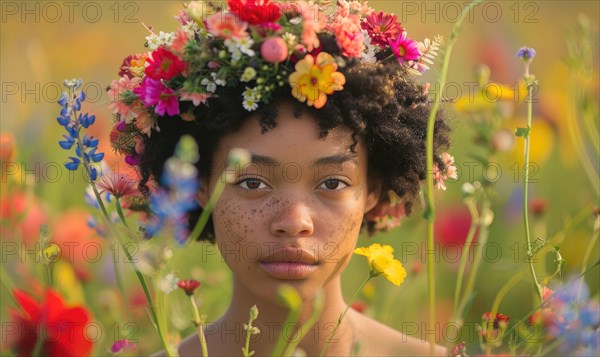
(190, 28)
(166, 37)
(250, 104)
(153, 41)
(218, 81)
(369, 56)
(290, 39)
(168, 283)
(163, 38)
(245, 45)
(252, 94)
(210, 85)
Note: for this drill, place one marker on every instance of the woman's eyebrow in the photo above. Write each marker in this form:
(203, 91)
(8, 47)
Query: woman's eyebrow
(329, 160)
(336, 160)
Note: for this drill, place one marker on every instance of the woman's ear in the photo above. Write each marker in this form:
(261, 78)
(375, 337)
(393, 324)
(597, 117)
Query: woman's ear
(373, 195)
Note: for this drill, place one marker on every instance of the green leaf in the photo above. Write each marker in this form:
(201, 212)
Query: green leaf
(524, 132)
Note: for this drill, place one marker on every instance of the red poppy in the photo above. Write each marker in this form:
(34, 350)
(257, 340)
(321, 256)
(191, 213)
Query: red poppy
(255, 12)
(188, 286)
(62, 328)
(164, 64)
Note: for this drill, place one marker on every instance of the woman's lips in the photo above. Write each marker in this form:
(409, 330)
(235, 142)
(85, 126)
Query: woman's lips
(288, 270)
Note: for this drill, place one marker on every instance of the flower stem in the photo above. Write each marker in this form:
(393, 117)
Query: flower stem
(315, 314)
(466, 250)
(430, 207)
(339, 321)
(206, 211)
(199, 322)
(527, 137)
(120, 212)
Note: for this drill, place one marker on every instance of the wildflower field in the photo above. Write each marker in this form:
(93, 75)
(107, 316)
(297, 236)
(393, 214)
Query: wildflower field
(505, 262)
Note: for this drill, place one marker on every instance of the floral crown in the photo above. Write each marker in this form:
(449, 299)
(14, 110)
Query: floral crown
(258, 44)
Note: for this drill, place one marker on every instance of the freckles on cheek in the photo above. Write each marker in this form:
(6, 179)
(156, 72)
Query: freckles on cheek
(232, 222)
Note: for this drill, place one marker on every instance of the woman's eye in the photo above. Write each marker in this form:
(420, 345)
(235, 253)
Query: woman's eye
(333, 184)
(252, 184)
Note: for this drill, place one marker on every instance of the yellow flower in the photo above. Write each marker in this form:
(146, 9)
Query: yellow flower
(382, 262)
(315, 78)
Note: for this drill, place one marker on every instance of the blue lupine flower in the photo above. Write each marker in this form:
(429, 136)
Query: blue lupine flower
(85, 148)
(171, 204)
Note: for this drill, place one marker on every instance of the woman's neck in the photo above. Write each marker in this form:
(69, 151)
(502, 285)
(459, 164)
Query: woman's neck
(228, 332)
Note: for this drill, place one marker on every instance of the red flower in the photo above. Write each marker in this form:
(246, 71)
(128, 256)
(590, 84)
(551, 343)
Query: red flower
(255, 12)
(188, 286)
(382, 27)
(63, 328)
(164, 64)
(500, 320)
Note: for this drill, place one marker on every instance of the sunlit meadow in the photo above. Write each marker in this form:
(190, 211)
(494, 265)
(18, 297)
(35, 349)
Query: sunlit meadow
(527, 280)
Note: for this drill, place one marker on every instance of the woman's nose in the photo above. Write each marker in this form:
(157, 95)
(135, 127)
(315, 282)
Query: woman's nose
(293, 220)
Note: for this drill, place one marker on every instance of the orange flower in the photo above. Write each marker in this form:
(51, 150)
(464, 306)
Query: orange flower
(314, 79)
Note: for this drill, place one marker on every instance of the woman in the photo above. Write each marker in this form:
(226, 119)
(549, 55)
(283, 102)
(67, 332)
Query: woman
(336, 128)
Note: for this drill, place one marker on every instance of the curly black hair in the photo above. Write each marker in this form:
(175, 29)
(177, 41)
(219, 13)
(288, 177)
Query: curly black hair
(380, 103)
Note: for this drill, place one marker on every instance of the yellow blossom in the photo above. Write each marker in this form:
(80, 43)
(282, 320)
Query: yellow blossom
(315, 78)
(382, 262)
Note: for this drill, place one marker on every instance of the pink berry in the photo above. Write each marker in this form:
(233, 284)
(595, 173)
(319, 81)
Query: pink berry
(274, 50)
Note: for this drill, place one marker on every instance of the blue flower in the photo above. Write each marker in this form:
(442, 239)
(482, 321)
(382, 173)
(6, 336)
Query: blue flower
(85, 148)
(526, 53)
(576, 319)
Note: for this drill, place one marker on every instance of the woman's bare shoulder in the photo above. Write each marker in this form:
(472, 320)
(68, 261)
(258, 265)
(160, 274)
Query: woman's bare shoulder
(377, 339)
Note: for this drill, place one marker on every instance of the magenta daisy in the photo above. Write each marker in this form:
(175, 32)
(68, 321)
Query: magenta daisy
(405, 49)
(154, 92)
(382, 27)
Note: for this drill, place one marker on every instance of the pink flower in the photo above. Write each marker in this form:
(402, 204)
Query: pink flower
(143, 120)
(118, 185)
(183, 18)
(348, 35)
(122, 345)
(196, 97)
(117, 88)
(181, 39)
(164, 64)
(405, 49)
(382, 27)
(386, 216)
(449, 172)
(154, 92)
(313, 20)
(274, 50)
(226, 25)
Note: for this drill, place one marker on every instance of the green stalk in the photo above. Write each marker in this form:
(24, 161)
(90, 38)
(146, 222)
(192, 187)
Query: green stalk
(120, 212)
(467, 248)
(483, 236)
(527, 138)
(339, 321)
(200, 324)
(430, 208)
(318, 305)
(206, 211)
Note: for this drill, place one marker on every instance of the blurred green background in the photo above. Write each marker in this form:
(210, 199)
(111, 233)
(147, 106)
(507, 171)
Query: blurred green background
(42, 43)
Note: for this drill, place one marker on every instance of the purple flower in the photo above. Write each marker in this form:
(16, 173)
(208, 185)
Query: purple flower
(154, 92)
(526, 53)
(405, 49)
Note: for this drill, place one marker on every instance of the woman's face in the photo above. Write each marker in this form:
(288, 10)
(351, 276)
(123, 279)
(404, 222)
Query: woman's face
(293, 215)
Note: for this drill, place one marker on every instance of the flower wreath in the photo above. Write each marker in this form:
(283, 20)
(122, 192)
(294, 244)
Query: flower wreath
(261, 45)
